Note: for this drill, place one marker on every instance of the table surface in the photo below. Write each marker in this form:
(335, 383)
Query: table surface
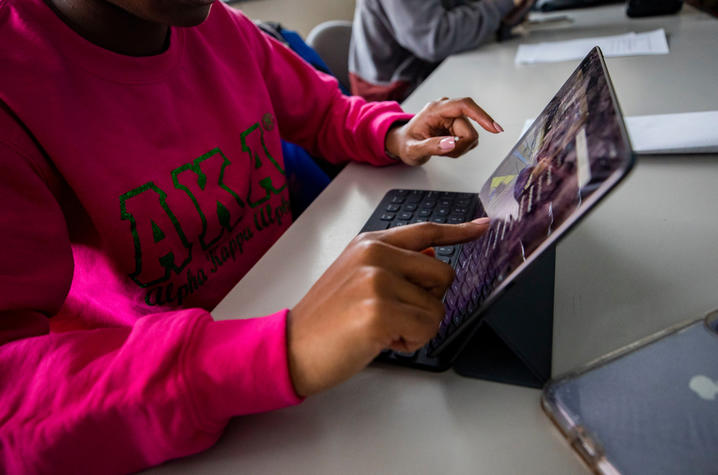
(644, 259)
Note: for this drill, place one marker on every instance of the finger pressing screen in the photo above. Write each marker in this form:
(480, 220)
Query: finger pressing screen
(416, 237)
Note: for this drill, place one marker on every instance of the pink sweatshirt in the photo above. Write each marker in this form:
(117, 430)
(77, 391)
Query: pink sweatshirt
(135, 193)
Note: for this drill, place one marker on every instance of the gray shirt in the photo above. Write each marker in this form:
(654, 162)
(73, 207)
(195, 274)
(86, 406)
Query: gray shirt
(404, 40)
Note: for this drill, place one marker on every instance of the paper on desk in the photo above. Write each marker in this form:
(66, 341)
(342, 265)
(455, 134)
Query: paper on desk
(690, 132)
(629, 44)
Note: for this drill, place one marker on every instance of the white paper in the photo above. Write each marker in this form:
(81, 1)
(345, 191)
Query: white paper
(629, 44)
(692, 132)
(685, 133)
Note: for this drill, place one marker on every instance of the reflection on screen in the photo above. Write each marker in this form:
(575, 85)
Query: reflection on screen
(571, 149)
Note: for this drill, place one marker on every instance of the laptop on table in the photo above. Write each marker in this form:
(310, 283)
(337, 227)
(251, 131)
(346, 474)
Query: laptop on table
(574, 153)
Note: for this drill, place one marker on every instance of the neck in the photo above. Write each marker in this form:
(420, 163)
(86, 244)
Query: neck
(111, 27)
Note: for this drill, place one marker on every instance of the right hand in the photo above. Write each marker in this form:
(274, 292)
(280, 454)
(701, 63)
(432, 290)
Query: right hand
(381, 292)
(435, 129)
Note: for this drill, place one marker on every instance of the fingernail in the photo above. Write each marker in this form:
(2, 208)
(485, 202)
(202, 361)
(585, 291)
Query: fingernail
(483, 220)
(429, 251)
(456, 139)
(498, 127)
(447, 144)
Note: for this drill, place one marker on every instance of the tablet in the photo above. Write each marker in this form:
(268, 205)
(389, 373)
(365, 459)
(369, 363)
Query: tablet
(572, 156)
(649, 408)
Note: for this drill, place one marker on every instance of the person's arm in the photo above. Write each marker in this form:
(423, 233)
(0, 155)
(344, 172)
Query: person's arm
(432, 32)
(314, 114)
(311, 110)
(122, 399)
(116, 399)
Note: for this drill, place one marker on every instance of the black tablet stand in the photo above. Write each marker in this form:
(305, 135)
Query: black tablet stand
(513, 342)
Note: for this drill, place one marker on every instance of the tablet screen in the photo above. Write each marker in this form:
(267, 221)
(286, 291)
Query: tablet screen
(574, 152)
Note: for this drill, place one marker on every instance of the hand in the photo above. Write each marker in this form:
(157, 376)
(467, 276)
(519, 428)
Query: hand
(441, 128)
(519, 13)
(381, 292)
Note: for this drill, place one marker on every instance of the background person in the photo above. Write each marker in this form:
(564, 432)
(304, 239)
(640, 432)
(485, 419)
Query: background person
(396, 44)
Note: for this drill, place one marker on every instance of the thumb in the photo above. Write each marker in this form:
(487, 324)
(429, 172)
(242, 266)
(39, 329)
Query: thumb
(434, 146)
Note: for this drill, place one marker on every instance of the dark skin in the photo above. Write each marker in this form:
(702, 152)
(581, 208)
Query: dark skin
(137, 27)
(382, 291)
(130, 27)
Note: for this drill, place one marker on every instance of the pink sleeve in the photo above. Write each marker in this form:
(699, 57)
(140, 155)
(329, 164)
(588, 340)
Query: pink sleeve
(123, 399)
(312, 111)
(109, 399)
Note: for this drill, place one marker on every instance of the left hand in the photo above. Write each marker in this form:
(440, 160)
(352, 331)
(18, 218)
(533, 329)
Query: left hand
(441, 128)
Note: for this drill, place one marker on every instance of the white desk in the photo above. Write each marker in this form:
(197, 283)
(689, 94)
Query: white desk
(646, 258)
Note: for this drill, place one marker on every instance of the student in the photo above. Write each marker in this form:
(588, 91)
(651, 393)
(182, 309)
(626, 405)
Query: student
(141, 178)
(396, 44)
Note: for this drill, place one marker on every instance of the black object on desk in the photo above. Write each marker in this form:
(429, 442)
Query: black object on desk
(642, 8)
(514, 341)
(553, 5)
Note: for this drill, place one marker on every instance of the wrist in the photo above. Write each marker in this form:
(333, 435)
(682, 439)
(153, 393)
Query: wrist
(391, 155)
(392, 140)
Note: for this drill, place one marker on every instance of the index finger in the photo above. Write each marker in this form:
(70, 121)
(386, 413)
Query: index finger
(416, 237)
(454, 108)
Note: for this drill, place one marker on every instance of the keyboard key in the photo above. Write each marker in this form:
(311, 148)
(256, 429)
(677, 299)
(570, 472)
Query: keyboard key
(405, 355)
(444, 202)
(401, 192)
(410, 207)
(445, 250)
(438, 219)
(393, 208)
(428, 204)
(425, 213)
(399, 223)
(455, 220)
(387, 216)
(406, 216)
(415, 196)
(398, 199)
(442, 211)
(419, 220)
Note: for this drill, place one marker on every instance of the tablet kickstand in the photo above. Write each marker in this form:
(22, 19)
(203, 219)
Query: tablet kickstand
(513, 343)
